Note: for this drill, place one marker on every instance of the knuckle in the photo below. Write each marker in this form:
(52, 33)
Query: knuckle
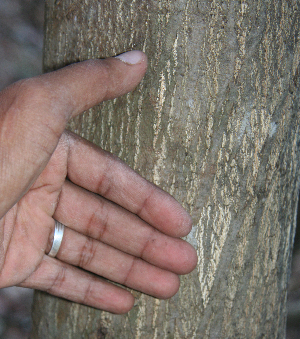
(58, 280)
(33, 91)
(88, 291)
(104, 70)
(87, 253)
(35, 102)
(131, 269)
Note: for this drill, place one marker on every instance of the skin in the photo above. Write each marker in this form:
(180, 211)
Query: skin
(119, 226)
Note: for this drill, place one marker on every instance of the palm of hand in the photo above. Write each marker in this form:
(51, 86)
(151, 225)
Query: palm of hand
(28, 226)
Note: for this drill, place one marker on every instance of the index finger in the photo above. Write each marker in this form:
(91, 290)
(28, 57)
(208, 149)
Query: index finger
(103, 173)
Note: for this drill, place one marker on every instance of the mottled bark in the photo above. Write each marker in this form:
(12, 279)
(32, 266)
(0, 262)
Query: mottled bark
(216, 123)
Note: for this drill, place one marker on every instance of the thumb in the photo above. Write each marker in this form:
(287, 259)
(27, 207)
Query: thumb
(85, 84)
(34, 113)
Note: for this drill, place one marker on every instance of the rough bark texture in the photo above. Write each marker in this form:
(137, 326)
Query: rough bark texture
(216, 123)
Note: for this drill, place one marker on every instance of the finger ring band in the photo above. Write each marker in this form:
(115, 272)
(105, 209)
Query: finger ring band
(57, 238)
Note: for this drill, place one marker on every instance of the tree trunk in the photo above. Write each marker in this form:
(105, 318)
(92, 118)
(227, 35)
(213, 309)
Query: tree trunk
(216, 123)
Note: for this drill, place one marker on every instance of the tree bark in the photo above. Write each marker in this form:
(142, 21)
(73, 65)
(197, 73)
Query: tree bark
(216, 123)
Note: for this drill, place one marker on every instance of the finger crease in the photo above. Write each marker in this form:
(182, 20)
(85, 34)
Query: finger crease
(145, 247)
(89, 226)
(104, 227)
(87, 254)
(58, 280)
(94, 220)
(144, 203)
(87, 292)
(104, 185)
(130, 271)
(101, 189)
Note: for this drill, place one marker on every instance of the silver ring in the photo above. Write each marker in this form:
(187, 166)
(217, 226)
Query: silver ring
(57, 238)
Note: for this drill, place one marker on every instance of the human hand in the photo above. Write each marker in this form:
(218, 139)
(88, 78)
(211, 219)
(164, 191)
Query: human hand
(119, 226)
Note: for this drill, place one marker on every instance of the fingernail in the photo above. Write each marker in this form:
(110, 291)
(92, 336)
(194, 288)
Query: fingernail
(132, 57)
